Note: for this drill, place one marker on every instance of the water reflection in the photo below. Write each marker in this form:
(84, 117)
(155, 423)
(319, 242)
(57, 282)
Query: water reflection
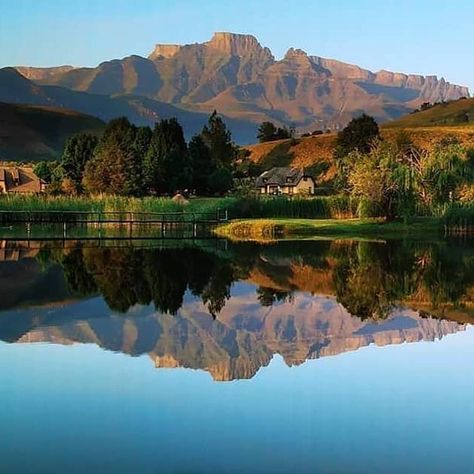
(229, 309)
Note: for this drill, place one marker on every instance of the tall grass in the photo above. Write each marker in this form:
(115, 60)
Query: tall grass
(237, 207)
(459, 218)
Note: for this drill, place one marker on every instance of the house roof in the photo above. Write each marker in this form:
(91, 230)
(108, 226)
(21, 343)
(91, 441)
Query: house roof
(281, 177)
(20, 180)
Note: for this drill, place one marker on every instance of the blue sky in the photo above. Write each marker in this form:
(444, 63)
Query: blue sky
(413, 36)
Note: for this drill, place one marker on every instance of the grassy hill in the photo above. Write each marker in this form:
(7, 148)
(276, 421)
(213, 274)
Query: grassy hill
(316, 152)
(448, 114)
(32, 133)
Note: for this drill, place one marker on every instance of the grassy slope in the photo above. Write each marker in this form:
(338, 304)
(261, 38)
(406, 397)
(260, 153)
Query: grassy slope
(458, 113)
(32, 133)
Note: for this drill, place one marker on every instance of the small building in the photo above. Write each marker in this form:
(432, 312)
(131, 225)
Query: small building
(288, 181)
(16, 180)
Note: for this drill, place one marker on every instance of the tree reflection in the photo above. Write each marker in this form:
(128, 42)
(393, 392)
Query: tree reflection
(126, 277)
(367, 278)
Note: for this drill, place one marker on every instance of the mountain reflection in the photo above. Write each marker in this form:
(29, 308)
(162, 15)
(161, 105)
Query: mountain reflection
(229, 309)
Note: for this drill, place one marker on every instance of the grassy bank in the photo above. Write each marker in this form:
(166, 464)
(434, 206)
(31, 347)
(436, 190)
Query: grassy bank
(264, 229)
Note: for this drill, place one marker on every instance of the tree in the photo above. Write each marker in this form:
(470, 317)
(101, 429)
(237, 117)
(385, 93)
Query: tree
(223, 152)
(284, 133)
(221, 180)
(46, 170)
(78, 151)
(219, 140)
(266, 132)
(202, 165)
(116, 166)
(358, 135)
(167, 166)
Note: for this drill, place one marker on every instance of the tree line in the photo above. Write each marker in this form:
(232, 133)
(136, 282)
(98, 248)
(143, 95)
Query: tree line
(137, 161)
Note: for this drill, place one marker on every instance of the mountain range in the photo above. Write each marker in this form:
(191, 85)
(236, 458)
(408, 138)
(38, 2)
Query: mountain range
(236, 75)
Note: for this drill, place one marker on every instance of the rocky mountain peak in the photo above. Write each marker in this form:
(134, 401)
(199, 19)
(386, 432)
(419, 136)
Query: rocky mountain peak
(236, 44)
(295, 53)
(164, 51)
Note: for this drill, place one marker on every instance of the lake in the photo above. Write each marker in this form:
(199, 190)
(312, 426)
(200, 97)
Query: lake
(206, 356)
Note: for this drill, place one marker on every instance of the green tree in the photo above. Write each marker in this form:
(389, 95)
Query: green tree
(266, 132)
(221, 180)
(284, 133)
(46, 170)
(219, 140)
(358, 135)
(78, 151)
(167, 165)
(202, 165)
(223, 153)
(116, 166)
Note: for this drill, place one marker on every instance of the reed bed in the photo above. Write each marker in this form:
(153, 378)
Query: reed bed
(321, 207)
(458, 219)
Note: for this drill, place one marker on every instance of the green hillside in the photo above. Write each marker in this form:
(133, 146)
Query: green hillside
(455, 113)
(32, 133)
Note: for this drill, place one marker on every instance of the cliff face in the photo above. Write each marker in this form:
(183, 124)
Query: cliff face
(235, 74)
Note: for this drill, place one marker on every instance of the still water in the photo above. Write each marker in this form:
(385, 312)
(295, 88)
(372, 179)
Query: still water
(328, 356)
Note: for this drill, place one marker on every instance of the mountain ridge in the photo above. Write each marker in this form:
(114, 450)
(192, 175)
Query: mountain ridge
(17, 89)
(239, 77)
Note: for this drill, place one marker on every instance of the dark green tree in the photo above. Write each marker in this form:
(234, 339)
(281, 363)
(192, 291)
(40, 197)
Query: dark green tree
(78, 151)
(284, 133)
(358, 135)
(167, 166)
(266, 132)
(220, 181)
(219, 140)
(116, 167)
(223, 152)
(46, 170)
(202, 165)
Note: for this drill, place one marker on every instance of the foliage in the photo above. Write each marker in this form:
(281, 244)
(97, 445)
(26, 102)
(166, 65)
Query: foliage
(219, 140)
(202, 164)
(268, 132)
(78, 151)
(396, 180)
(115, 167)
(167, 166)
(46, 170)
(358, 135)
